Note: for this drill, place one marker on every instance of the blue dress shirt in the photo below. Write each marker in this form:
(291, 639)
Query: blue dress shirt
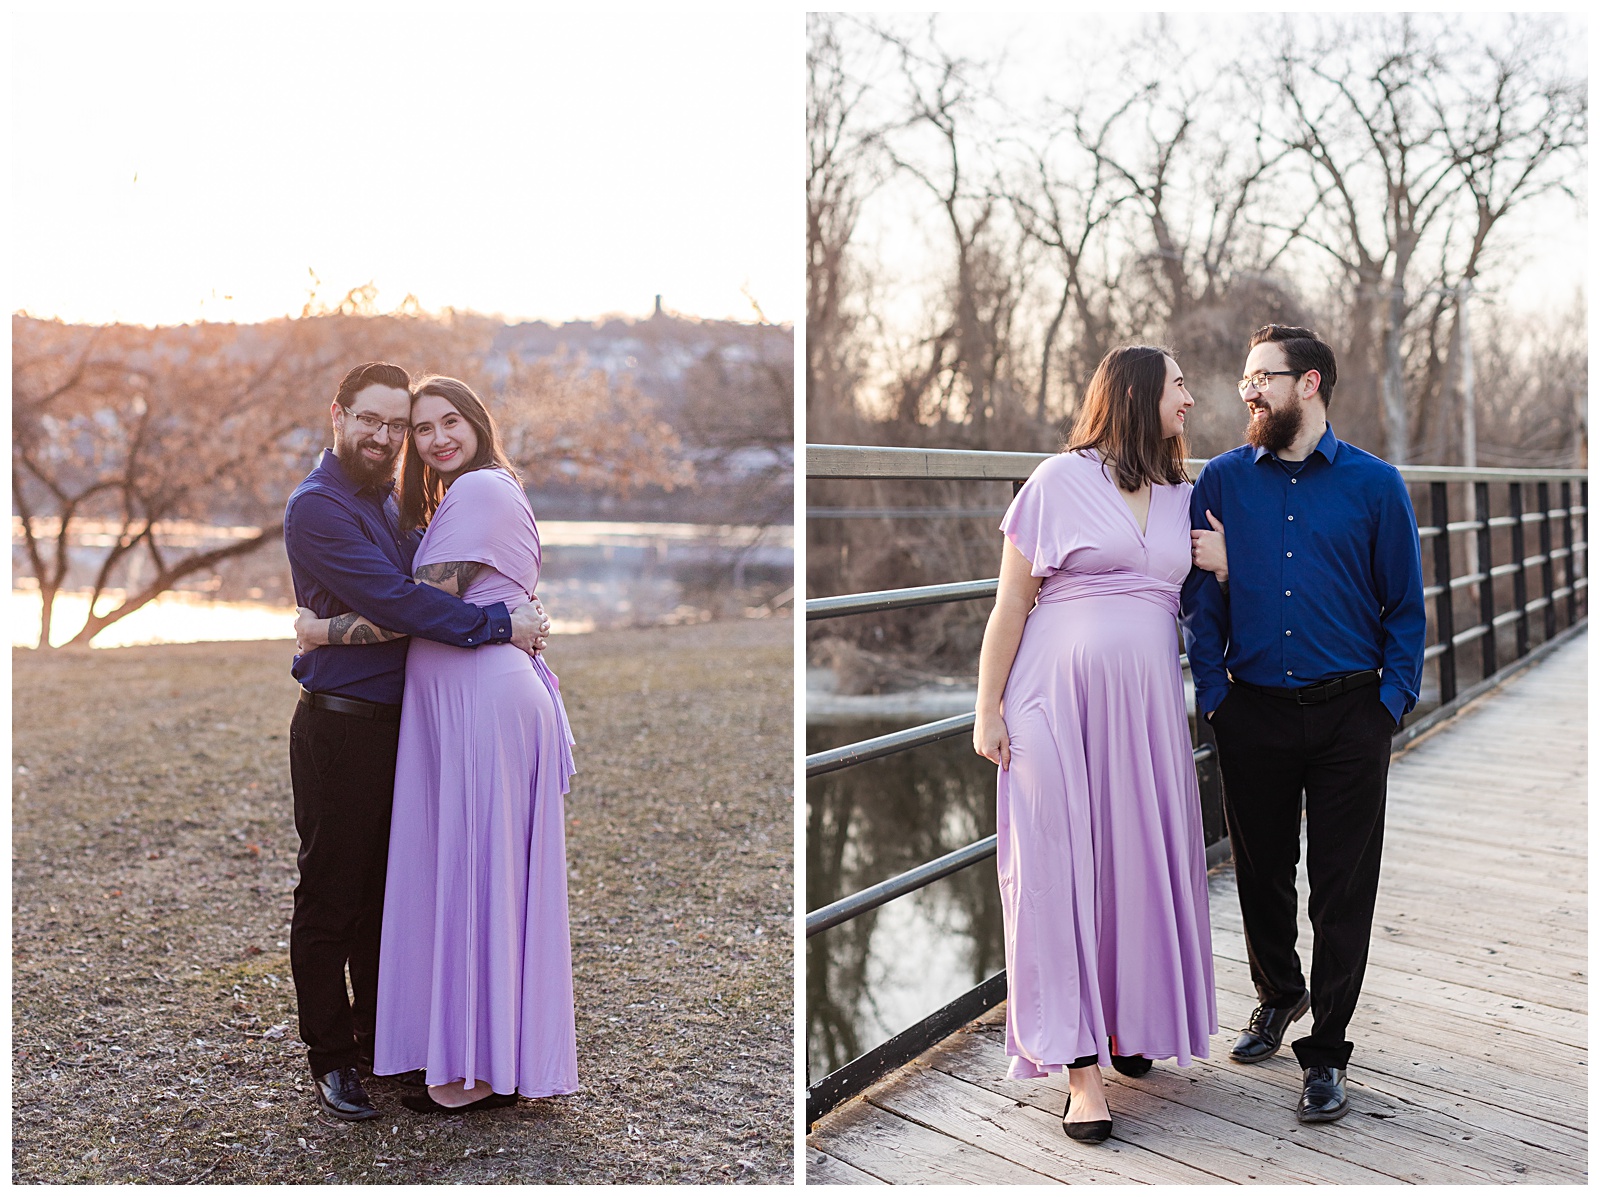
(347, 554)
(1324, 575)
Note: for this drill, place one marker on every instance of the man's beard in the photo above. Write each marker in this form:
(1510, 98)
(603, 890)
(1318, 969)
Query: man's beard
(363, 471)
(1276, 430)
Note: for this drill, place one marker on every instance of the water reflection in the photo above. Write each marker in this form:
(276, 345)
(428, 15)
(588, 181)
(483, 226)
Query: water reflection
(872, 977)
(596, 574)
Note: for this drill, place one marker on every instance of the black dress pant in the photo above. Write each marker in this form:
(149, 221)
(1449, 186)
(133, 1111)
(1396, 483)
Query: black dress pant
(342, 769)
(1337, 753)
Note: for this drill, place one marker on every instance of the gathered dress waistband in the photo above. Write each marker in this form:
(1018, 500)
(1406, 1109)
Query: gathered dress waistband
(1063, 587)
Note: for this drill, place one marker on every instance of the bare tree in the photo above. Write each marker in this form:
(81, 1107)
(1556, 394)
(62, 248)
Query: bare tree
(159, 435)
(840, 173)
(934, 146)
(1406, 125)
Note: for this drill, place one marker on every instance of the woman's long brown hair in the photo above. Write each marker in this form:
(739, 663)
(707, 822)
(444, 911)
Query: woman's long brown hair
(1120, 418)
(421, 487)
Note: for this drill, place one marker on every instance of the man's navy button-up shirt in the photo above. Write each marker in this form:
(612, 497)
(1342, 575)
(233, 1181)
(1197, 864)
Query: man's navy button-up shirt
(346, 553)
(1324, 575)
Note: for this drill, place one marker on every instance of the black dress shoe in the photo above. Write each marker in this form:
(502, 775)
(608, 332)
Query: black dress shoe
(1264, 1035)
(422, 1103)
(1323, 1099)
(1131, 1065)
(340, 1093)
(1097, 1131)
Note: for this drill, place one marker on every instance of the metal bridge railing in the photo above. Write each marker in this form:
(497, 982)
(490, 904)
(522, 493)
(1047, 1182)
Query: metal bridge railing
(1570, 517)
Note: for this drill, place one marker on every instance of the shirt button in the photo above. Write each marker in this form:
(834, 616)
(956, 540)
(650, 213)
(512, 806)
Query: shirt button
(1290, 672)
(1291, 519)
(1292, 481)
(1287, 593)
(1288, 554)
(1287, 632)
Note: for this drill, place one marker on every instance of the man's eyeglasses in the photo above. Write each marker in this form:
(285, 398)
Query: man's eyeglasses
(370, 424)
(1260, 377)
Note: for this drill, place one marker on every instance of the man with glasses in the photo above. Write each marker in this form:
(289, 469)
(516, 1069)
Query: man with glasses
(342, 532)
(1306, 649)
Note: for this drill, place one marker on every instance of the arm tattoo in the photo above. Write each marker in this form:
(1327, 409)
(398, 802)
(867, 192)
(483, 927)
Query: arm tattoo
(453, 577)
(351, 628)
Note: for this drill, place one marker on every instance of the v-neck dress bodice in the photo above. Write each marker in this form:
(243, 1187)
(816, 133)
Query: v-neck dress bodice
(1101, 850)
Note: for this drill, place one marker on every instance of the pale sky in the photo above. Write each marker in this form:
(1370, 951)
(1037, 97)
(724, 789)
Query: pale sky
(538, 166)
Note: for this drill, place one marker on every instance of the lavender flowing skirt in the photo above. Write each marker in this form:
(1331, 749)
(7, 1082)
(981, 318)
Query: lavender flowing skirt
(475, 973)
(1101, 850)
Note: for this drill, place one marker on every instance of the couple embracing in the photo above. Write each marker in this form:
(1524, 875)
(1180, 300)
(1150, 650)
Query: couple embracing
(1305, 631)
(429, 753)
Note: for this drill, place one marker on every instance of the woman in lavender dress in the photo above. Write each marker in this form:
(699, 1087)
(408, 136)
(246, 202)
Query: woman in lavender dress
(1080, 702)
(475, 971)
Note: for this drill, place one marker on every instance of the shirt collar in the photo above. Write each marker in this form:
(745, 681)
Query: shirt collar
(331, 466)
(1327, 445)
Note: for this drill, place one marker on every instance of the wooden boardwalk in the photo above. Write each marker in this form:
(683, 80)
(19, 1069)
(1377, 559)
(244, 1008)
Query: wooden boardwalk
(1470, 1063)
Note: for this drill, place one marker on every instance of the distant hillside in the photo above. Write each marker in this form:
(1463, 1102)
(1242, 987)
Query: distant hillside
(726, 388)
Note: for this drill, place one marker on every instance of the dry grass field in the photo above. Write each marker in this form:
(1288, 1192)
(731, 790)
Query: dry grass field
(153, 861)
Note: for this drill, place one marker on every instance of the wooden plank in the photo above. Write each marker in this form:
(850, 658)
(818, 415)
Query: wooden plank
(898, 1151)
(1381, 1127)
(1483, 1116)
(1399, 1050)
(1557, 951)
(1025, 1133)
(823, 1169)
(1437, 979)
(1511, 1138)
(1518, 862)
(1472, 893)
(1473, 968)
(1263, 1149)
(1377, 1132)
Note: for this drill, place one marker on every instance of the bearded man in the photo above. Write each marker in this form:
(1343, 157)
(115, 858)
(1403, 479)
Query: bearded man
(1306, 650)
(342, 532)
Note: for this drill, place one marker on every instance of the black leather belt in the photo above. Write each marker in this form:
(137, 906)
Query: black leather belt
(1319, 691)
(382, 712)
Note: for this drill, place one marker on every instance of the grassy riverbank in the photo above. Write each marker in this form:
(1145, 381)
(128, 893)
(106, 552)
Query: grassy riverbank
(154, 856)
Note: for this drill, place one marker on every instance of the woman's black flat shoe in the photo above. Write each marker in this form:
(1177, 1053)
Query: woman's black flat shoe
(1084, 1132)
(1131, 1065)
(424, 1104)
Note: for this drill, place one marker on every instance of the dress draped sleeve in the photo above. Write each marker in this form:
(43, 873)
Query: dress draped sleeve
(485, 517)
(1039, 519)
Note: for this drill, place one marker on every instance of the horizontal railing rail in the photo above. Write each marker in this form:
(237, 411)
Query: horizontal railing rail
(976, 465)
(819, 763)
(874, 896)
(1542, 518)
(898, 600)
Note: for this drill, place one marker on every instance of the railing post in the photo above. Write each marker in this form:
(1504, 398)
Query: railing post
(1583, 533)
(1480, 507)
(1443, 602)
(1572, 562)
(1519, 579)
(1547, 567)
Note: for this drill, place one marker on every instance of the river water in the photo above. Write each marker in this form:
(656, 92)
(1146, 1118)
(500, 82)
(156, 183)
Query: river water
(872, 977)
(596, 574)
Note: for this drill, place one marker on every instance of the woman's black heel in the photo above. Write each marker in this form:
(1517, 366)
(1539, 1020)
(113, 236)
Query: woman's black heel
(1131, 1065)
(1085, 1132)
